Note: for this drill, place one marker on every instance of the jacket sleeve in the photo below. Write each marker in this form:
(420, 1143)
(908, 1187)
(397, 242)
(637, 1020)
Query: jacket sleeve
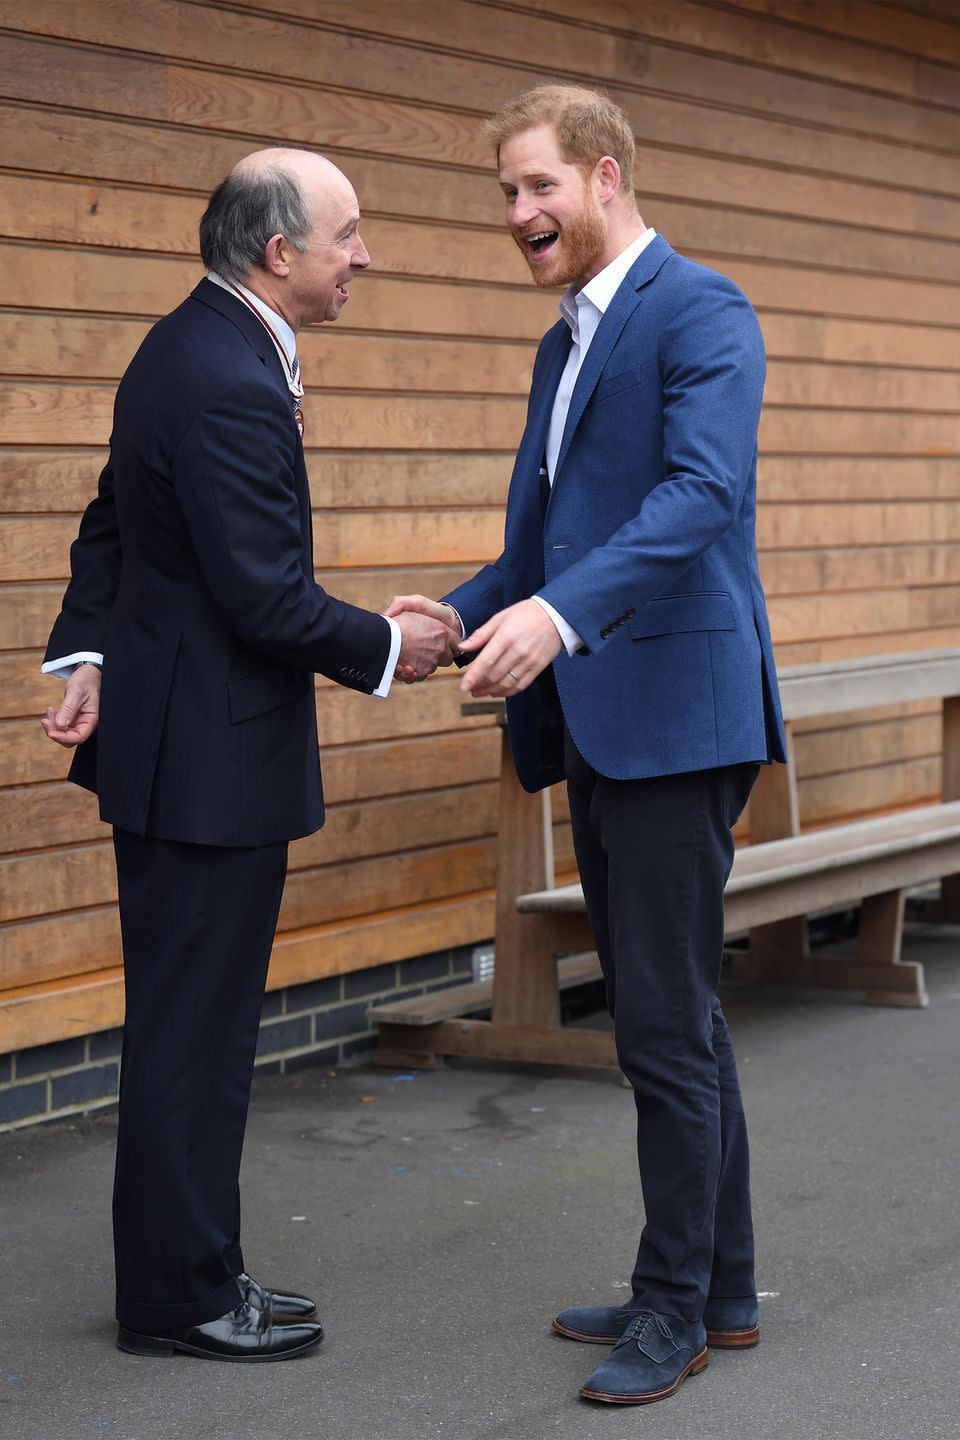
(477, 599)
(712, 373)
(81, 625)
(233, 475)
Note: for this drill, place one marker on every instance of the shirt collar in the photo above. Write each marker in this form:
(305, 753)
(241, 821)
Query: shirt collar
(275, 322)
(599, 291)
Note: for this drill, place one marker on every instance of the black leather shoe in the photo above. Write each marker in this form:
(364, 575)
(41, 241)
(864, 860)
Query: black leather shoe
(247, 1333)
(285, 1307)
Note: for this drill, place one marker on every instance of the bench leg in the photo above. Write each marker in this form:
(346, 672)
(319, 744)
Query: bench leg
(774, 949)
(894, 981)
(876, 968)
(525, 972)
(531, 1044)
(397, 1054)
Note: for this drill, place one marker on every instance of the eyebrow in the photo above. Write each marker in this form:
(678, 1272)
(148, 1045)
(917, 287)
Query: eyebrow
(533, 175)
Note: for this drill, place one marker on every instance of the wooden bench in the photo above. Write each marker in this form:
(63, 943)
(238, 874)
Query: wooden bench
(781, 878)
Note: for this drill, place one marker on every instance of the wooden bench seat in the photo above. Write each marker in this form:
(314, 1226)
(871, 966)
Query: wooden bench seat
(867, 861)
(782, 877)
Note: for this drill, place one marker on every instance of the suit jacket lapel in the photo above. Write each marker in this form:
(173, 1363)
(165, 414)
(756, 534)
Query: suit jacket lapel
(252, 330)
(616, 315)
(544, 391)
(234, 310)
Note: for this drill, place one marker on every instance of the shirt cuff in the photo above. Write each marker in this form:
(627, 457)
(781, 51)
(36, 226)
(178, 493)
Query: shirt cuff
(463, 628)
(571, 640)
(396, 639)
(64, 668)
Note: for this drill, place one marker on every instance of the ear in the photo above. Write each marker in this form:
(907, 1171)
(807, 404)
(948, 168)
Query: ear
(275, 255)
(607, 179)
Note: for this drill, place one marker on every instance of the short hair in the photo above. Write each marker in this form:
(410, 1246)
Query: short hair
(588, 125)
(244, 211)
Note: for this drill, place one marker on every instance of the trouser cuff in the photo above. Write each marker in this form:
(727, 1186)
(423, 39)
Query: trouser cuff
(151, 1319)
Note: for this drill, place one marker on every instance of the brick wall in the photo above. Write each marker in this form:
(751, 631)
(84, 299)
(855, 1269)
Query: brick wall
(320, 1023)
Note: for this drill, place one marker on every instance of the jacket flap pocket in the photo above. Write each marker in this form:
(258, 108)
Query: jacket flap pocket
(673, 614)
(265, 690)
(614, 384)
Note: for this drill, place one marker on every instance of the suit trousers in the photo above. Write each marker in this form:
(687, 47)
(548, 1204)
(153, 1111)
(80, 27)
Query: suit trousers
(197, 923)
(654, 856)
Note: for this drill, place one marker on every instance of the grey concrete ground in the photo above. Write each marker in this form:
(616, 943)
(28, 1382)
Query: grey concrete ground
(442, 1219)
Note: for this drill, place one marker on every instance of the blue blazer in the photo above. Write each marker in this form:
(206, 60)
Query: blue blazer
(193, 575)
(647, 542)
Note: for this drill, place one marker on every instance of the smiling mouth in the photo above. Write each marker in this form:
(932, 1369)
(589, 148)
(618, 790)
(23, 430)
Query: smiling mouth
(540, 244)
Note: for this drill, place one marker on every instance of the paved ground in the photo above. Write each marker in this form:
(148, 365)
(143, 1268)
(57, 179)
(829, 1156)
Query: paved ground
(443, 1219)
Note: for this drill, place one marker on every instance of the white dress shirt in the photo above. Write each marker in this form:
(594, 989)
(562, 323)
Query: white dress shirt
(583, 310)
(285, 342)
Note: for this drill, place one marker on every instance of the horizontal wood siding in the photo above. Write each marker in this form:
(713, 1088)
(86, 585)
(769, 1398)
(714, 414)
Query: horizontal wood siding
(809, 150)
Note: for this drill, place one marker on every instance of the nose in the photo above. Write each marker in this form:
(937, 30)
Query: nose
(523, 209)
(360, 259)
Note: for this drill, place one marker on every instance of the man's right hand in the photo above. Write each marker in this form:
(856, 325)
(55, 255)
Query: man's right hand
(436, 609)
(427, 642)
(79, 711)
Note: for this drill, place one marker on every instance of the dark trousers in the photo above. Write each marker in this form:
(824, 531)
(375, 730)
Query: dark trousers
(197, 924)
(654, 856)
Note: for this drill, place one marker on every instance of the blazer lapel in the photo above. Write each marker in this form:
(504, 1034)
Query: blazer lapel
(234, 310)
(616, 315)
(543, 393)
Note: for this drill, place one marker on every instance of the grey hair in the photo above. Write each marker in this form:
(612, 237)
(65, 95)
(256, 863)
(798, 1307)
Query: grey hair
(244, 211)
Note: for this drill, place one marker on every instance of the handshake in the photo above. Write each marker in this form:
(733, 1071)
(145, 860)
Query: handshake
(431, 635)
(517, 644)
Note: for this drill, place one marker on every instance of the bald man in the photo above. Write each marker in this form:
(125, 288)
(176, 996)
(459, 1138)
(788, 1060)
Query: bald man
(188, 638)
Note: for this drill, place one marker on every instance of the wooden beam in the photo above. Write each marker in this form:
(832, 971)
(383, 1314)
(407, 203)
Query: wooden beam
(483, 1039)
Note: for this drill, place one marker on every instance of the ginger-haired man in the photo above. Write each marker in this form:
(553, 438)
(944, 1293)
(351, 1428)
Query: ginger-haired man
(625, 623)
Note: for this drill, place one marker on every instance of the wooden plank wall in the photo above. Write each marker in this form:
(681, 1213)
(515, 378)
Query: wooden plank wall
(809, 150)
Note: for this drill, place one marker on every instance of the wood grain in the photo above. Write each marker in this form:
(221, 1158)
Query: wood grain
(809, 151)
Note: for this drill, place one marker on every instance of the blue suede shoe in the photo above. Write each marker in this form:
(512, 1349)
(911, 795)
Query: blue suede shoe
(650, 1361)
(730, 1324)
(595, 1324)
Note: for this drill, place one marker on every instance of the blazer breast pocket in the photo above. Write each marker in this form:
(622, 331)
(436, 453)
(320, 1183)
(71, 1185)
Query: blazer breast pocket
(675, 614)
(265, 690)
(612, 385)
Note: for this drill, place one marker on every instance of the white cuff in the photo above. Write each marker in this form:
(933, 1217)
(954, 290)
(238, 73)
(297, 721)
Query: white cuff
(463, 628)
(571, 640)
(64, 668)
(383, 689)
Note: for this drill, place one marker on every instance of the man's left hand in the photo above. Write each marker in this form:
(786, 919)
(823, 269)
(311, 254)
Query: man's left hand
(518, 643)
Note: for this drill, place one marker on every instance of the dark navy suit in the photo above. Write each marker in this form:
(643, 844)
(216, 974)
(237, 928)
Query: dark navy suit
(192, 575)
(645, 545)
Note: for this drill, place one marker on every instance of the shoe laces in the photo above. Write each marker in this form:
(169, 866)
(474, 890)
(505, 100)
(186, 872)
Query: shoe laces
(639, 1323)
